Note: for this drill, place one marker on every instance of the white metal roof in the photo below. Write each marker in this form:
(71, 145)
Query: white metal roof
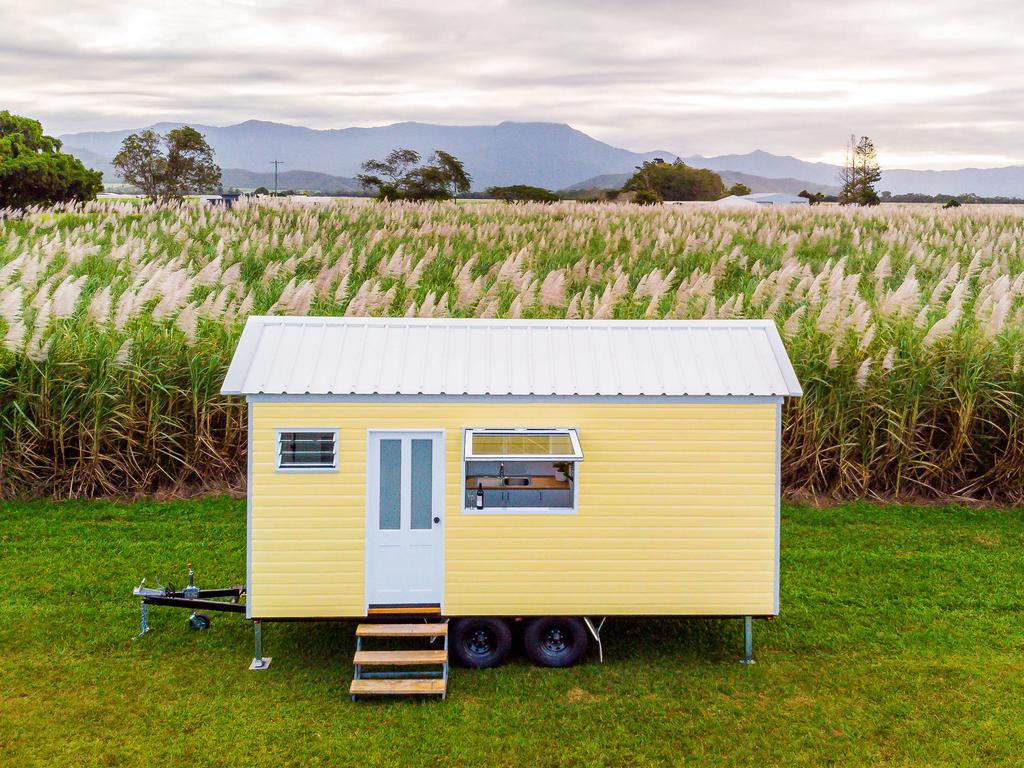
(442, 356)
(778, 198)
(738, 201)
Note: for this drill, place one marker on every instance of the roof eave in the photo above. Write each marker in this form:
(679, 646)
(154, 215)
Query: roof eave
(241, 360)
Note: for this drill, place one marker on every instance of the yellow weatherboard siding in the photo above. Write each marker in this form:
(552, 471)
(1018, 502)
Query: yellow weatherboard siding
(676, 513)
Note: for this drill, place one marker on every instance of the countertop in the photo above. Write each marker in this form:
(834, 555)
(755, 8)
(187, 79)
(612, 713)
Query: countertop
(540, 483)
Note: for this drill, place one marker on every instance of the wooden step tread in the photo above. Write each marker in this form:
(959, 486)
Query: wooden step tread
(406, 687)
(400, 658)
(402, 630)
(404, 610)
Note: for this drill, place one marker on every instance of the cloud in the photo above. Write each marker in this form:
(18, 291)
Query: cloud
(933, 83)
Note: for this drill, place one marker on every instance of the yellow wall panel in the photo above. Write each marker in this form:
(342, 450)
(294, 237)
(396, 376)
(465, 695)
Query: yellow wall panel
(676, 513)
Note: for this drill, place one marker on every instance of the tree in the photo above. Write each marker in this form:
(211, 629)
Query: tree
(459, 180)
(261, 191)
(868, 170)
(34, 171)
(428, 182)
(676, 181)
(813, 198)
(168, 167)
(952, 203)
(646, 197)
(738, 189)
(523, 193)
(399, 176)
(860, 173)
(393, 169)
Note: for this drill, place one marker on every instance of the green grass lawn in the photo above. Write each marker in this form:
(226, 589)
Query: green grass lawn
(900, 643)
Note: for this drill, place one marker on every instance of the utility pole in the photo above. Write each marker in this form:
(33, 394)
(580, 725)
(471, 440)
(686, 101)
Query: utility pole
(275, 164)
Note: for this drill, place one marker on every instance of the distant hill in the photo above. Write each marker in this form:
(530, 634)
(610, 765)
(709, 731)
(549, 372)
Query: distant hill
(603, 181)
(552, 155)
(767, 165)
(545, 154)
(756, 183)
(987, 182)
(94, 160)
(785, 184)
(297, 180)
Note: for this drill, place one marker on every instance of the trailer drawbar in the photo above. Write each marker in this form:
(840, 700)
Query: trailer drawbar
(197, 601)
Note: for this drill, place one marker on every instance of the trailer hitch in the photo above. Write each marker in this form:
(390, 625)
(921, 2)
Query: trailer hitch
(196, 600)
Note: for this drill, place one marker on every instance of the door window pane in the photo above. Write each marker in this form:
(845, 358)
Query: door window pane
(422, 484)
(390, 485)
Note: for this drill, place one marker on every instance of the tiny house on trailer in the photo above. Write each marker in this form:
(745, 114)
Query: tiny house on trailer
(481, 471)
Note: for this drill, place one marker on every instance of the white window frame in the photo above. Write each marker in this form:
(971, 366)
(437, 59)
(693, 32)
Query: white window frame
(298, 470)
(571, 432)
(576, 461)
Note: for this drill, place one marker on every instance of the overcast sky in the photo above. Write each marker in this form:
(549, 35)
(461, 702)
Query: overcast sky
(937, 84)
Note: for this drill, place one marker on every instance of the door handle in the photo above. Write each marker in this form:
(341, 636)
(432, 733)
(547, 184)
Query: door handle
(437, 519)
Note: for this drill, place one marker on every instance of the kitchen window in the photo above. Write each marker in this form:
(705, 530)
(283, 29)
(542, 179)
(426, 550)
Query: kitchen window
(307, 450)
(521, 470)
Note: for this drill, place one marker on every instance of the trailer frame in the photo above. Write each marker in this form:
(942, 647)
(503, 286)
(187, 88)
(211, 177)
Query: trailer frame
(192, 598)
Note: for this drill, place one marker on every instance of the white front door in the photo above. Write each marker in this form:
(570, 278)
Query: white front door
(404, 518)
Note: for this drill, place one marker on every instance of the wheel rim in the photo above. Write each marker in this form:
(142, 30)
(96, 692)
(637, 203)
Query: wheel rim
(556, 640)
(480, 641)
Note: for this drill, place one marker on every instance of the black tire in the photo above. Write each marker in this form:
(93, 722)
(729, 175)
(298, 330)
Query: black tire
(480, 643)
(555, 641)
(199, 621)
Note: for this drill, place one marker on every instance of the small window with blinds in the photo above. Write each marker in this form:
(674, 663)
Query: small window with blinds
(307, 450)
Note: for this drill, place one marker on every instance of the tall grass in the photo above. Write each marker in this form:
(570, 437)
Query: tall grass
(905, 324)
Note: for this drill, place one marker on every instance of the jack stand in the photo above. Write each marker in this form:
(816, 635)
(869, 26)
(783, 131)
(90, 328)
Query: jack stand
(144, 622)
(748, 640)
(259, 661)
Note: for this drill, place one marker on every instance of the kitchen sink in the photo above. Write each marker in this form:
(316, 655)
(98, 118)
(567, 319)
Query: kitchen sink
(502, 482)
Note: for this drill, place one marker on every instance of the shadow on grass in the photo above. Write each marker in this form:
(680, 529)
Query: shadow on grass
(313, 646)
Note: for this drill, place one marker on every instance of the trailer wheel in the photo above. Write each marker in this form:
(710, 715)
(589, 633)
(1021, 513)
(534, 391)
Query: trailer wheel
(480, 643)
(199, 621)
(555, 641)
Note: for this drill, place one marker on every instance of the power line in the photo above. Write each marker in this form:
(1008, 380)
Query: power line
(275, 164)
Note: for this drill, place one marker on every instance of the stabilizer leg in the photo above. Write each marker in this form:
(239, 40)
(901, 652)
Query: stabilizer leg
(259, 661)
(748, 640)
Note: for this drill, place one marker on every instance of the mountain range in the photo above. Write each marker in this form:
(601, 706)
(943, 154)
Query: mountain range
(552, 155)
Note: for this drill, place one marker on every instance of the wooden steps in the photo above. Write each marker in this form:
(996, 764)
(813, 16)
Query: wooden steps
(399, 658)
(396, 687)
(402, 630)
(413, 680)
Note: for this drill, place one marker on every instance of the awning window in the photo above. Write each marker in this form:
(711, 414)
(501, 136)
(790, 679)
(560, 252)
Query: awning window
(527, 444)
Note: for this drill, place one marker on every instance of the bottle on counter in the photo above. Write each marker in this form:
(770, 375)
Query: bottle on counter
(479, 495)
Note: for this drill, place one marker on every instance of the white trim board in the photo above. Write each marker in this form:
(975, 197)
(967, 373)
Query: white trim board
(524, 399)
(248, 513)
